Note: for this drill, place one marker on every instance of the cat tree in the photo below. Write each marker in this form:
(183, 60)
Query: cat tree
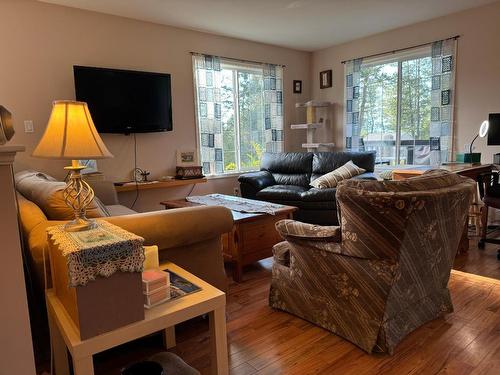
(317, 112)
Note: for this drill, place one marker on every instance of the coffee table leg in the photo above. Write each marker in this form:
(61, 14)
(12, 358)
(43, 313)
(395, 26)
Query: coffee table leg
(83, 366)
(218, 341)
(169, 337)
(236, 252)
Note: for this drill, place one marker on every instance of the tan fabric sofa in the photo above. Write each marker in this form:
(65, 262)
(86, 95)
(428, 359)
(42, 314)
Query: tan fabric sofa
(383, 272)
(189, 237)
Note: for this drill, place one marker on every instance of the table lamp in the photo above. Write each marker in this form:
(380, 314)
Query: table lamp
(71, 135)
(475, 157)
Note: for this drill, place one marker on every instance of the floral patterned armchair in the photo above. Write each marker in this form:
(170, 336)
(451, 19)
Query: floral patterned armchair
(383, 272)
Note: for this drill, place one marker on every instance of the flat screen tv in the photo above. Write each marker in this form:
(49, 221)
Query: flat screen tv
(494, 129)
(124, 101)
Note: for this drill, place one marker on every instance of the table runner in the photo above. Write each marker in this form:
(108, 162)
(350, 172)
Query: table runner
(98, 252)
(236, 203)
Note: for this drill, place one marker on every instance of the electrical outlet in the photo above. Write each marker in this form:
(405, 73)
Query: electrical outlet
(28, 126)
(236, 192)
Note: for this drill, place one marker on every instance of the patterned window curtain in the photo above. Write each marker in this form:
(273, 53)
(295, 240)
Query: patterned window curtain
(442, 99)
(207, 74)
(352, 130)
(273, 107)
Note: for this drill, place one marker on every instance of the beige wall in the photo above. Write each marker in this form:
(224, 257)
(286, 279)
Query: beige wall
(478, 68)
(42, 42)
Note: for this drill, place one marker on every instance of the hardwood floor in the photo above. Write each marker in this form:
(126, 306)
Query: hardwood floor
(265, 341)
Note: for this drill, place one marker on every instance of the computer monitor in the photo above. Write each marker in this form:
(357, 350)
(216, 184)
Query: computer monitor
(494, 130)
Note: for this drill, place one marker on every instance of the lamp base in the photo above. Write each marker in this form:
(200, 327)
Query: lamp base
(474, 157)
(78, 195)
(80, 224)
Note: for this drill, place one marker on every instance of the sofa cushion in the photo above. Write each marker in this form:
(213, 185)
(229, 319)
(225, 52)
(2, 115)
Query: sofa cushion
(288, 168)
(281, 193)
(324, 162)
(47, 193)
(331, 179)
(119, 210)
(319, 195)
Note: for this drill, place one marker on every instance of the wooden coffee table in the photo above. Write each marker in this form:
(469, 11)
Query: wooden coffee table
(252, 238)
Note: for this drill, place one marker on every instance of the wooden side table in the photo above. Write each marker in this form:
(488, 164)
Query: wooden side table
(252, 238)
(209, 300)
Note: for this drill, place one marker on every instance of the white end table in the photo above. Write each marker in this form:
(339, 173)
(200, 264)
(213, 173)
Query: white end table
(209, 300)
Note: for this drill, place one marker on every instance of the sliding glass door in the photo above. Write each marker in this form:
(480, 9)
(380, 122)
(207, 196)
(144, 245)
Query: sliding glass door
(395, 107)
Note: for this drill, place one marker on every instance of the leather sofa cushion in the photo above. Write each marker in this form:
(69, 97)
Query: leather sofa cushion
(281, 193)
(325, 162)
(289, 168)
(47, 194)
(292, 179)
(319, 195)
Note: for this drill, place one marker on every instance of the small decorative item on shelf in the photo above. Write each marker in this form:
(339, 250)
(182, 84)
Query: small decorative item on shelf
(185, 173)
(297, 86)
(188, 165)
(325, 79)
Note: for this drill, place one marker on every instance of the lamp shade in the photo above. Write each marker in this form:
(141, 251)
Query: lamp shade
(71, 134)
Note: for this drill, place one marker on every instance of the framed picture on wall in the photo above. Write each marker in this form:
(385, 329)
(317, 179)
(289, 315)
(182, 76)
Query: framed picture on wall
(187, 158)
(297, 86)
(325, 79)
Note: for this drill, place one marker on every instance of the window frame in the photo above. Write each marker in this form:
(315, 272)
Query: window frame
(399, 58)
(236, 68)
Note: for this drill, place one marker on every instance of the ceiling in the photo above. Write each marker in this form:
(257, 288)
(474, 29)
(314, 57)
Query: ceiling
(300, 24)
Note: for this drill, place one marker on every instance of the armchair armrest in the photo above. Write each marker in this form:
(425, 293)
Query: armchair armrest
(310, 236)
(177, 227)
(296, 229)
(253, 182)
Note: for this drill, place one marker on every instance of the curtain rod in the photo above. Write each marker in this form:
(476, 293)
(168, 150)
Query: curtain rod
(235, 59)
(401, 49)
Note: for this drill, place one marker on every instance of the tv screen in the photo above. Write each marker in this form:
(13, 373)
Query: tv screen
(123, 101)
(494, 129)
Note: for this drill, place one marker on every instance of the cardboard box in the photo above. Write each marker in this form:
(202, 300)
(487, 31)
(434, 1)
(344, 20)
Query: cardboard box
(102, 305)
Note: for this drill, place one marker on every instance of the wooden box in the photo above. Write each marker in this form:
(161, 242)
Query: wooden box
(102, 305)
(185, 173)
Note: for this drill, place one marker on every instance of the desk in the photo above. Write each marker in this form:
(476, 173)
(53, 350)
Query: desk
(463, 169)
(209, 300)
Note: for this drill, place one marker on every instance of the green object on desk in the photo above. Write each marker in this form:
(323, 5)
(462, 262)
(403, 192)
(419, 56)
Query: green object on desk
(474, 157)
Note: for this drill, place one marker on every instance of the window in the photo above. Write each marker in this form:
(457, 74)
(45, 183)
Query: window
(239, 113)
(400, 105)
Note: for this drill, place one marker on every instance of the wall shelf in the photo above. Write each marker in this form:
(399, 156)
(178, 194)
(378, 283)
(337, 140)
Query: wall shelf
(313, 103)
(131, 186)
(317, 145)
(314, 125)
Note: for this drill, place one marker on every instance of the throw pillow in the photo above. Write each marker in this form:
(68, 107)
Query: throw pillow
(47, 193)
(331, 179)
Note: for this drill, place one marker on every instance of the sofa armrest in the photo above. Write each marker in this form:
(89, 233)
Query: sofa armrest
(177, 227)
(258, 180)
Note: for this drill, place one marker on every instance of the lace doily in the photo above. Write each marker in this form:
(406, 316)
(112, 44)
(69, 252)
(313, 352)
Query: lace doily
(98, 252)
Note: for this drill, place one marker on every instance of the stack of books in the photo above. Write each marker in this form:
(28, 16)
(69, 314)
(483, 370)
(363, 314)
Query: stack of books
(155, 287)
